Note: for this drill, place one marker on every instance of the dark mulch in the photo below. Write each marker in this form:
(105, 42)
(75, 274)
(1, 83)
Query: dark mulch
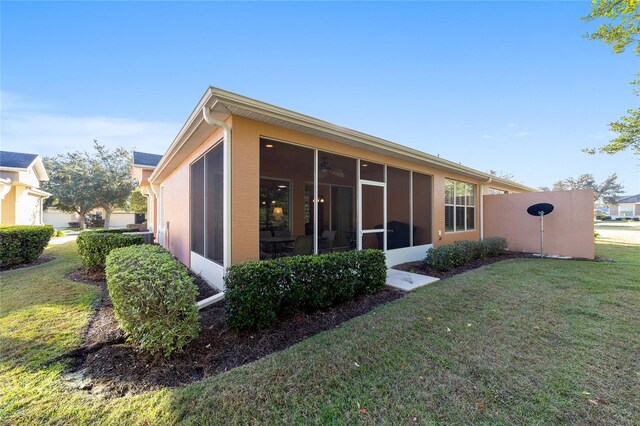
(82, 275)
(107, 365)
(420, 268)
(38, 261)
(204, 289)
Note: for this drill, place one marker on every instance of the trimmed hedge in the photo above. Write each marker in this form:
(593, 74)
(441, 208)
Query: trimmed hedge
(154, 298)
(94, 246)
(445, 258)
(21, 244)
(257, 293)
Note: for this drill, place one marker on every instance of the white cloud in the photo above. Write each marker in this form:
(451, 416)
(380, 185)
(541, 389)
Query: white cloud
(511, 125)
(487, 137)
(523, 134)
(33, 127)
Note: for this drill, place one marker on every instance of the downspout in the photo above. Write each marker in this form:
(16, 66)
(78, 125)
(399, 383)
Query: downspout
(482, 207)
(226, 198)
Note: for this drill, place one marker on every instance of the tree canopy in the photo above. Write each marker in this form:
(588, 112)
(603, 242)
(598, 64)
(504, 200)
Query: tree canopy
(138, 202)
(113, 181)
(621, 30)
(81, 181)
(607, 191)
(71, 183)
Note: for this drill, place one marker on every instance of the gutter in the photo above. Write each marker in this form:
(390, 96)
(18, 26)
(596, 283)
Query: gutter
(226, 197)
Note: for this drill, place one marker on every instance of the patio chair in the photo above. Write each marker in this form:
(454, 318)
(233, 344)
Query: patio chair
(303, 245)
(328, 238)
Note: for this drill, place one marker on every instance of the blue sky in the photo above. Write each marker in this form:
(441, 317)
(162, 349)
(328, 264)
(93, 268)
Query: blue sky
(508, 86)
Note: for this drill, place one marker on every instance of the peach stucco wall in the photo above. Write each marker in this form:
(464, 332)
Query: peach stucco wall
(177, 201)
(245, 181)
(568, 230)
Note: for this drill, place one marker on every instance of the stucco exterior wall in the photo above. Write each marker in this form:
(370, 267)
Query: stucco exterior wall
(246, 182)
(176, 203)
(9, 207)
(568, 230)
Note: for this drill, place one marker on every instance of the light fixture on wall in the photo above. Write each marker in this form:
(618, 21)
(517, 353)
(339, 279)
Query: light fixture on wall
(277, 212)
(269, 145)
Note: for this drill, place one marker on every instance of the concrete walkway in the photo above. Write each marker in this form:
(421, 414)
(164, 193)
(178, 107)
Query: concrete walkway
(407, 281)
(61, 240)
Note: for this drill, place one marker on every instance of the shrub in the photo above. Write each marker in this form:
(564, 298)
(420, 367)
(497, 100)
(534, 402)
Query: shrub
(154, 298)
(445, 258)
(494, 246)
(21, 244)
(94, 246)
(257, 293)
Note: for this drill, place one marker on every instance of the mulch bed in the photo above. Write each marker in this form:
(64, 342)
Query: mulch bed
(420, 268)
(108, 366)
(38, 261)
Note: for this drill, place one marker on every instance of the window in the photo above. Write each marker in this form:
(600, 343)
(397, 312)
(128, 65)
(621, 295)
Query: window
(459, 206)
(207, 212)
(495, 191)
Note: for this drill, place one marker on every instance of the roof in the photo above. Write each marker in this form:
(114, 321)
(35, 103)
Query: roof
(224, 104)
(629, 199)
(145, 159)
(21, 162)
(16, 160)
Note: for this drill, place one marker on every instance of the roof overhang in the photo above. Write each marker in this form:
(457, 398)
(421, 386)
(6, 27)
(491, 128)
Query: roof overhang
(38, 166)
(224, 104)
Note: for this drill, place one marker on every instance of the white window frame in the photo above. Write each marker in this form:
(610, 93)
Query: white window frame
(466, 205)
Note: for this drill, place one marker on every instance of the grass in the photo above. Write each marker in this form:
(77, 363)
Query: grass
(519, 341)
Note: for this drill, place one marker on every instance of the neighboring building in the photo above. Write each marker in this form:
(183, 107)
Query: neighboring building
(241, 170)
(143, 166)
(119, 218)
(21, 198)
(628, 206)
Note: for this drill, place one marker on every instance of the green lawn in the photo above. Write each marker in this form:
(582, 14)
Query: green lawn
(519, 341)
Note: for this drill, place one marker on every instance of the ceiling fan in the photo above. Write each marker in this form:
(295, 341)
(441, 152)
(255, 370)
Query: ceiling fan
(326, 169)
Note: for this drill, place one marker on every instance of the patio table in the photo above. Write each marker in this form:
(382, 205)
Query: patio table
(275, 243)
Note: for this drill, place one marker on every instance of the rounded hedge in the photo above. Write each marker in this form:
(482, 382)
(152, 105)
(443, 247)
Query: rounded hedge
(94, 246)
(21, 244)
(257, 293)
(445, 258)
(154, 298)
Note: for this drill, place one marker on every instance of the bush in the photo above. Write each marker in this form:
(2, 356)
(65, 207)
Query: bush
(154, 298)
(21, 244)
(445, 258)
(94, 246)
(492, 247)
(257, 293)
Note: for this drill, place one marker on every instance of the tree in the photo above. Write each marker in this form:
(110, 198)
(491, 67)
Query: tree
(138, 202)
(607, 191)
(113, 181)
(503, 175)
(71, 183)
(622, 31)
(81, 181)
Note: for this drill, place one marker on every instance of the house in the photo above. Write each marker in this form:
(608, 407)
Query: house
(143, 166)
(21, 198)
(119, 218)
(242, 174)
(628, 206)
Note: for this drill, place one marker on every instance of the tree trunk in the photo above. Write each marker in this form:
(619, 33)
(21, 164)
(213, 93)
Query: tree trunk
(81, 221)
(107, 217)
